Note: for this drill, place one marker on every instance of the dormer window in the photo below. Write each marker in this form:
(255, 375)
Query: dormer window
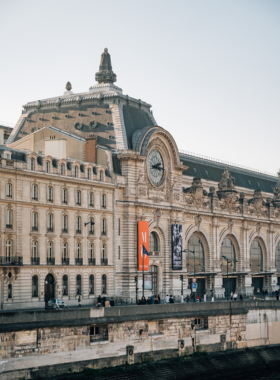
(47, 167)
(32, 164)
(76, 171)
(62, 169)
(88, 174)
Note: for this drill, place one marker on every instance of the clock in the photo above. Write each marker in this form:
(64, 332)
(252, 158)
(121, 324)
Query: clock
(155, 167)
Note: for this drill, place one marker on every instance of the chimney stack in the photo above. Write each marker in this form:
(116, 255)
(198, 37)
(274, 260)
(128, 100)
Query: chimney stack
(91, 143)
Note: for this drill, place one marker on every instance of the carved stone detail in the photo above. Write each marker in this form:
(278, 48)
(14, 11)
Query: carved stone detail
(157, 214)
(230, 224)
(197, 221)
(196, 195)
(228, 199)
(256, 205)
(258, 228)
(105, 73)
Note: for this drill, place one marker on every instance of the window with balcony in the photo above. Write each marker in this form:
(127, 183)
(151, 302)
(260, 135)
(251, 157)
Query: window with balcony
(91, 259)
(34, 192)
(91, 226)
(79, 260)
(9, 190)
(9, 249)
(78, 197)
(65, 258)
(35, 260)
(65, 285)
(79, 284)
(9, 219)
(64, 196)
(90, 199)
(103, 231)
(104, 260)
(34, 217)
(50, 223)
(91, 284)
(78, 224)
(50, 253)
(35, 286)
(64, 224)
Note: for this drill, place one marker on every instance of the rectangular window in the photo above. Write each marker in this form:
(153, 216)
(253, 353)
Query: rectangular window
(119, 227)
(47, 167)
(34, 193)
(94, 330)
(88, 174)
(9, 190)
(10, 291)
(61, 169)
(32, 164)
(90, 200)
(78, 197)
(9, 219)
(64, 196)
(119, 252)
(50, 194)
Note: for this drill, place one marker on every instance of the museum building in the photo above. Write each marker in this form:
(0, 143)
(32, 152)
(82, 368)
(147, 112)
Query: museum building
(79, 171)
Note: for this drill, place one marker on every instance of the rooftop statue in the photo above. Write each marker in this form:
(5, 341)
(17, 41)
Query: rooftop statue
(227, 181)
(105, 73)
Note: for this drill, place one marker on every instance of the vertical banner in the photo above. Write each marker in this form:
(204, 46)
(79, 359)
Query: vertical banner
(176, 236)
(143, 245)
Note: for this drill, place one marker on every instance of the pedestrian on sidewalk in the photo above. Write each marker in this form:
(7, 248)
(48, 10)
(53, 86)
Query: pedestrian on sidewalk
(235, 296)
(167, 298)
(80, 301)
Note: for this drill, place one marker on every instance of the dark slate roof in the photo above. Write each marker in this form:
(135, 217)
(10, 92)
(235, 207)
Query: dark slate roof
(135, 118)
(16, 154)
(207, 169)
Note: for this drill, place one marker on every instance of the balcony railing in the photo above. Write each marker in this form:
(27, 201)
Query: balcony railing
(79, 261)
(91, 232)
(91, 261)
(12, 260)
(9, 226)
(65, 230)
(49, 200)
(64, 202)
(34, 228)
(78, 231)
(65, 260)
(50, 229)
(103, 233)
(50, 260)
(104, 261)
(34, 198)
(35, 260)
(78, 203)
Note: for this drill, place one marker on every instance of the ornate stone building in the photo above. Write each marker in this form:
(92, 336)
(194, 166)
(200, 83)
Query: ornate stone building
(100, 158)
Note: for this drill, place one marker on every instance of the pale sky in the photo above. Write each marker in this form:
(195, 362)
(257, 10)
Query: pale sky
(210, 68)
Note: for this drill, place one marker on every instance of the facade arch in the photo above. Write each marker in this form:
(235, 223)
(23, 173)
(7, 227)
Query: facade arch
(236, 245)
(261, 242)
(202, 234)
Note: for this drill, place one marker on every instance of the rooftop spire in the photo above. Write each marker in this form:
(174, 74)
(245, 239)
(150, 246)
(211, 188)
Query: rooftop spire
(105, 73)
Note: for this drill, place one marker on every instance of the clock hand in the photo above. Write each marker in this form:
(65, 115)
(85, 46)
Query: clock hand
(156, 166)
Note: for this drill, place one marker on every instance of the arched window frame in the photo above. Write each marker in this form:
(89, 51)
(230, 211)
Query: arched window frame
(226, 247)
(9, 218)
(91, 199)
(256, 267)
(91, 284)
(199, 259)
(277, 257)
(50, 223)
(154, 242)
(35, 286)
(78, 224)
(64, 223)
(103, 200)
(64, 195)
(34, 220)
(34, 192)
(78, 197)
(104, 284)
(65, 285)
(49, 193)
(79, 284)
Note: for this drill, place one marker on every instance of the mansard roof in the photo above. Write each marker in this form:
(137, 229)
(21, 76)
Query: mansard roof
(210, 170)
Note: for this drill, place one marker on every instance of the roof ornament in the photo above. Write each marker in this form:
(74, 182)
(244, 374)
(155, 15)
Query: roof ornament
(105, 73)
(68, 86)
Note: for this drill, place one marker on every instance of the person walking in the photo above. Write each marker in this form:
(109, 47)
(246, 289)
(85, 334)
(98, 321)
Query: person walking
(143, 301)
(80, 301)
(149, 301)
(231, 296)
(107, 303)
(167, 298)
(112, 302)
(235, 296)
(241, 297)
(171, 299)
(156, 302)
(158, 298)
(152, 299)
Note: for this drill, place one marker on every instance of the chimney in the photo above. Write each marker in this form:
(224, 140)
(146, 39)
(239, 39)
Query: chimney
(91, 143)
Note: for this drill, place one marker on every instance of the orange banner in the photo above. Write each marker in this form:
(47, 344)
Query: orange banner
(143, 245)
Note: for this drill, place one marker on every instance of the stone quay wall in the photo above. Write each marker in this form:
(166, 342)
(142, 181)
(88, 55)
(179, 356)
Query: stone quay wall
(30, 342)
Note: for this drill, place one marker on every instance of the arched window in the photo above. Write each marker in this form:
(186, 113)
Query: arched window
(64, 224)
(154, 242)
(256, 255)
(49, 222)
(9, 250)
(62, 169)
(91, 226)
(76, 171)
(90, 199)
(49, 194)
(79, 284)
(103, 200)
(104, 284)
(48, 166)
(34, 217)
(103, 227)
(32, 164)
(78, 224)
(34, 191)
(64, 196)
(78, 197)
(228, 251)
(88, 173)
(35, 286)
(9, 219)
(65, 285)
(9, 190)
(195, 260)
(277, 256)
(91, 284)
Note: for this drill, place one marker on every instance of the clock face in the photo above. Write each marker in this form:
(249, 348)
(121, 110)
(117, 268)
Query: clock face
(155, 167)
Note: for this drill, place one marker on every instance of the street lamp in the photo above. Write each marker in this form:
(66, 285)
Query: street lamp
(228, 261)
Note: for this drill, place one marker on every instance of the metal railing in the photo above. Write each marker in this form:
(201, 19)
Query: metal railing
(34, 199)
(91, 261)
(35, 260)
(9, 226)
(78, 232)
(104, 261)
(50, 260)
(11, 260)
(65, 261)
(50, 229)
(79, 261)
(34, 228)
(65, 230)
